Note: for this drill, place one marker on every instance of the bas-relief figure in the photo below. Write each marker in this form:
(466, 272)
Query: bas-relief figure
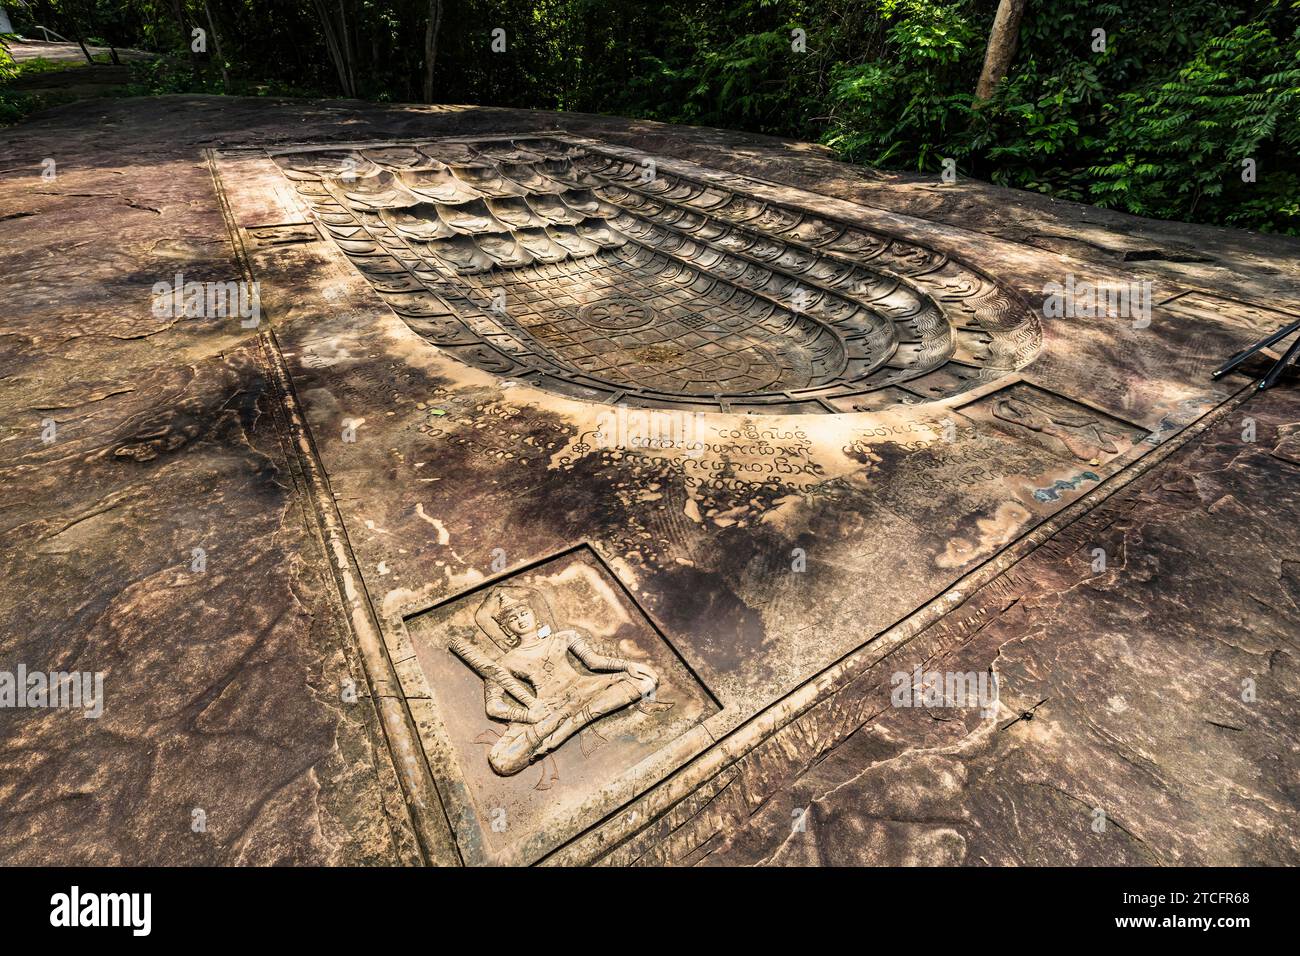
(1080, 431)
(531, 684)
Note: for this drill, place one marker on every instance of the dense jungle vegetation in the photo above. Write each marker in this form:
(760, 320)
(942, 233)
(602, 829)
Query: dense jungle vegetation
(1155, 107)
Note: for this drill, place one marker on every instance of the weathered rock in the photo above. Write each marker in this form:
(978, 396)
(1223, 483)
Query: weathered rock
(699, 440)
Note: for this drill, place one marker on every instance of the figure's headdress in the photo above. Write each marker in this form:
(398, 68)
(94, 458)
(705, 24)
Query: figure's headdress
(500, 600)
(503, 599)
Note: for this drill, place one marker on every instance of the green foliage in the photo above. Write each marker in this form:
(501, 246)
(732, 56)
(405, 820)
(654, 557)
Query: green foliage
(1181, 142)
(40, 64)
(164, 76)
(741, 83)
(899, 109)
(1157, 123)
(1161, 136)
(8, 68)
(12, 106)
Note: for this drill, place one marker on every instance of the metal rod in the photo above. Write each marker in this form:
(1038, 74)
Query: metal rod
(1282, 363)
(1263, 343)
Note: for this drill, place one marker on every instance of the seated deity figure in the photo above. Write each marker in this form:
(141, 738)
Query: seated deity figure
(1082, 434)
(534, 686)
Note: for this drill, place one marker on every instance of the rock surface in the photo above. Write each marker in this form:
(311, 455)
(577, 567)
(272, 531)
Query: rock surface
(231, 736)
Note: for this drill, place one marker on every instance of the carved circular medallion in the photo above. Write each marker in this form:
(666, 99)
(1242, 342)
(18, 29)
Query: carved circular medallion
(620, 314)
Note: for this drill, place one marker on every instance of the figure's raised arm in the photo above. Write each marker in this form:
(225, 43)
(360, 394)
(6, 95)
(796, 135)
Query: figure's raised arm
(596, 661)
(592, 658)
(499, 685)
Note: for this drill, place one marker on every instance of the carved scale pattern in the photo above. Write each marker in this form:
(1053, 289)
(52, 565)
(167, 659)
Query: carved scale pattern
(569, 267)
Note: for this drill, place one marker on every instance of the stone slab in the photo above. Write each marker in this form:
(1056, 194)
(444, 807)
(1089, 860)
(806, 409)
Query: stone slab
(749, 522)
(273, 693)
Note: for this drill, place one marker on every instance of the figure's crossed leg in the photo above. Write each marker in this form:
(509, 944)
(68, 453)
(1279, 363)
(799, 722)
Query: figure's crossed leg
(523, 743)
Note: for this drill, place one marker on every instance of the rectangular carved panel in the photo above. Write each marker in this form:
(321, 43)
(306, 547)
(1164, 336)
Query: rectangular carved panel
(1067, 428)
(550, 685)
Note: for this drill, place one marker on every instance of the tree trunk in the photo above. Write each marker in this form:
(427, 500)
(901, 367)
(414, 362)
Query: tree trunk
(1002, 46)
(336, 46)
(346, 46)
(431, 46)
(76, 32)
(78, 16)
(216, 43)
(178, 9)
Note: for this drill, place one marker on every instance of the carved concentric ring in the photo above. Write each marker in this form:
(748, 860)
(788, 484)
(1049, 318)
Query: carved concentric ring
(560, 263)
